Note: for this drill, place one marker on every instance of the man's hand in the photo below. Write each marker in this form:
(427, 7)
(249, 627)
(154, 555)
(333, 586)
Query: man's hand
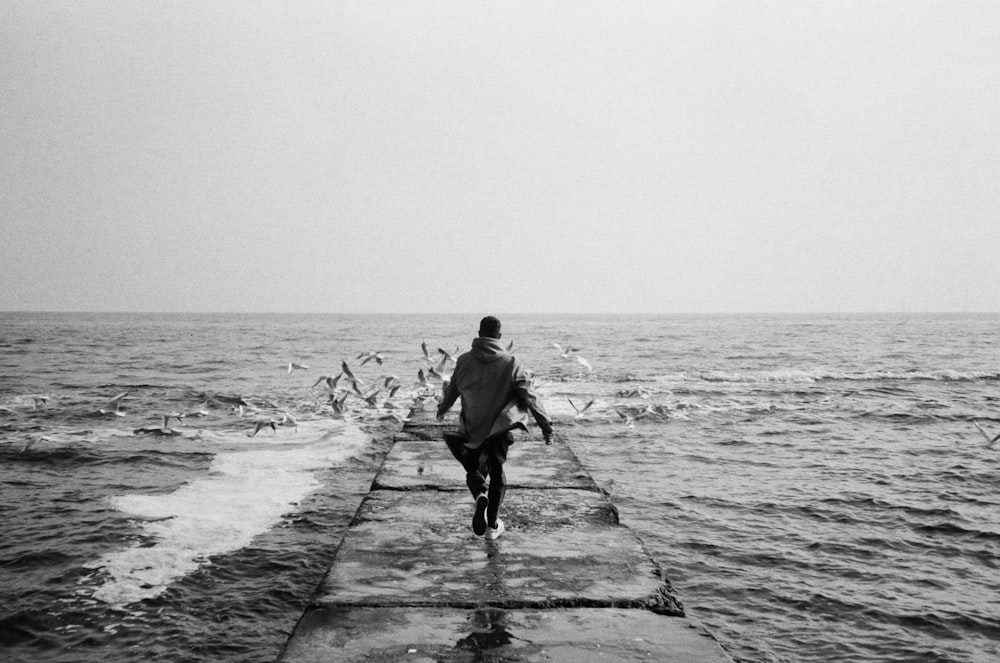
(440, 416)
(548, 437)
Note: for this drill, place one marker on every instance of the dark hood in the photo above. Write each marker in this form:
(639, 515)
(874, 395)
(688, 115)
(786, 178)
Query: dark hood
(488, 350)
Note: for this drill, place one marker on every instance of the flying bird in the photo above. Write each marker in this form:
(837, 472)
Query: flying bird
(571, 355)
(292, 366)
(338, 405)
(164, 428)
(368, 356)
(580, 411)
(629, 421)
(200, 411)
(331, 382)
(114, 406)
(422, 378)
(288, 420)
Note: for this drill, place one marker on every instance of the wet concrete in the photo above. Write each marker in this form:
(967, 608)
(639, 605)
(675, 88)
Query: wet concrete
(566, 581)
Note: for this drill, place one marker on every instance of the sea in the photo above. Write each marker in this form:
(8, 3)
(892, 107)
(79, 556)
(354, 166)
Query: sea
(816, 487)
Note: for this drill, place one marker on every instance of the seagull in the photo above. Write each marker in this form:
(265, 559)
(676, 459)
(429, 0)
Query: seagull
(114, 406)
(347, 371)
(447, 356)
(200, 411)
(629, 421)
(422, 378)
(510, 348)
(263, 423)
(427, 355)
(435, 373)
(579, 411)
(288, 420)
(164, 428)
(372, 396)
(292, 366)
(377, 356)
(570, 354)
(357, 390)
(331, 381)
(989, 440)
(338, 405)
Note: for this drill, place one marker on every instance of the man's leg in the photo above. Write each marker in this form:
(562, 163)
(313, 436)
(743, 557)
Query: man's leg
(496, 456)
(471, 460)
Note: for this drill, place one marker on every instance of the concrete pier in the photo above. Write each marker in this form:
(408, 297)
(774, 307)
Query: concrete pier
(565, 583)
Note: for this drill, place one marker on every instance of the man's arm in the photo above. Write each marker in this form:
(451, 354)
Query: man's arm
(524, 391)
(448, 398)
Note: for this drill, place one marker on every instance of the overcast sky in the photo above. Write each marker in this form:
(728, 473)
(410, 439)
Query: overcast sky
(508, 157)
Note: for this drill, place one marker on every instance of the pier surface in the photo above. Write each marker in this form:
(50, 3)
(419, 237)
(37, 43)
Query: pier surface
(565, 583)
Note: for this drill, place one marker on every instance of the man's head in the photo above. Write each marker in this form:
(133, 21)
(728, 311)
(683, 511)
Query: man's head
(489, 327)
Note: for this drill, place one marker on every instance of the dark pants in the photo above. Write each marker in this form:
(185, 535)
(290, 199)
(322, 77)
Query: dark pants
(479, 463)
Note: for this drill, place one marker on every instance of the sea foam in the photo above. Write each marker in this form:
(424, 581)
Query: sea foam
(245, 492)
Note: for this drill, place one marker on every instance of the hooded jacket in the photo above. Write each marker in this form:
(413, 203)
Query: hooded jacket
(495, 391)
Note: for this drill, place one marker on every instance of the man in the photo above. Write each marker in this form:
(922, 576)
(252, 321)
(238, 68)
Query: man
(495, 392)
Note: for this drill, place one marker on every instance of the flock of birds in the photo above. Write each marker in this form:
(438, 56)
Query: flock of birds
(345, 384)
(339, 388)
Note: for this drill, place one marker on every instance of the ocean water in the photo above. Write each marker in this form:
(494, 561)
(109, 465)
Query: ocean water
(814, 485)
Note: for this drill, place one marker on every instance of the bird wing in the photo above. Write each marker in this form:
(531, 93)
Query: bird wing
(347, 370)
(983, 431)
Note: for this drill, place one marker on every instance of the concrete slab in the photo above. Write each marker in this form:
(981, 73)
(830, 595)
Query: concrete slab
(561, 548)
(415, 464)
(438, 635)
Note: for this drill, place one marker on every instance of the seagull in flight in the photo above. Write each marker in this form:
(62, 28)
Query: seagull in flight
(571, 355)
(629, 421)
(347, 371)
(114, 406)
(435, 373)
(580, 411)
(164, 428)
(331, 381)
(368, 356)
(292, 366)
(372, 397)
(427, 355)
(200, 411)
(338, 405)
(288, 420)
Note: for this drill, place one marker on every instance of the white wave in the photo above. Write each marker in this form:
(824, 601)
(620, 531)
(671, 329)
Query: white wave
(244, 493)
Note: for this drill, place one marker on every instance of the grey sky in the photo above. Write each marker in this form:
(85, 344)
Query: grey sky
(500, 156)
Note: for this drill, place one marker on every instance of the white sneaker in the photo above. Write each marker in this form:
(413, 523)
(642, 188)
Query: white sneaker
(495, 532)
